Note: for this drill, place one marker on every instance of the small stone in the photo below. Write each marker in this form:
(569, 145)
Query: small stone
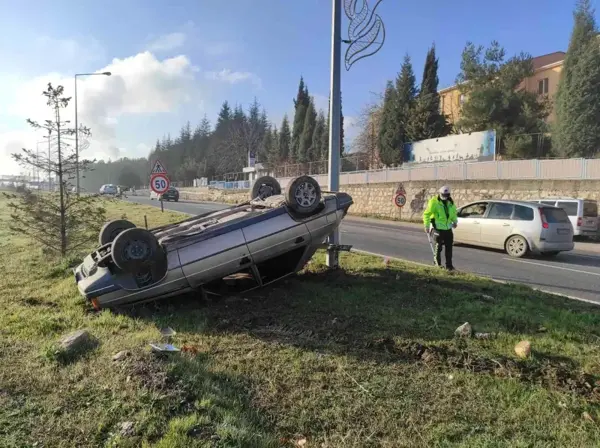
(301, 442)
(121, 355)
(464, 331)
(523, 349)
(76, 340)
(483, 335)
(586, 416)
(487, 297)
(127, 429)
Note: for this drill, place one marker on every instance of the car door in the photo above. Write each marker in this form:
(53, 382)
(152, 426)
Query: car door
(469, 223)
(275, 234)
(497, 226)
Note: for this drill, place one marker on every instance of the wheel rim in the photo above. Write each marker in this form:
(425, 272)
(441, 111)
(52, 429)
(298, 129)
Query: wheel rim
(114, 234)
(305, 194)
(265, 191)
(517, 246)
(136, 250)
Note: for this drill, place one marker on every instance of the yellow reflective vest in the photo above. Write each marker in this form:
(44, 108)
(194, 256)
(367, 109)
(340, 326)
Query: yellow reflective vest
(442, 215)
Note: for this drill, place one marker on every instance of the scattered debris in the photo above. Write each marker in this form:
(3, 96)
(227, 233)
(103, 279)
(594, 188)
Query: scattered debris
(121, 355)
(464, 331)
(301, 442)
(542, 330)
(487, 297)
(586, 416)
(162, 348)
(167, 332)
(523, 349)
(386, 261)
(485, 335)
(76, 340)
(191, 349)
(127, 429)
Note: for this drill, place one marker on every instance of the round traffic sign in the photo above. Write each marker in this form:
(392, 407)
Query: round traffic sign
(159, 183)
(400, 200)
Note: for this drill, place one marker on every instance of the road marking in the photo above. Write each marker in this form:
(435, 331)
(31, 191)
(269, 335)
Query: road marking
(554, 267)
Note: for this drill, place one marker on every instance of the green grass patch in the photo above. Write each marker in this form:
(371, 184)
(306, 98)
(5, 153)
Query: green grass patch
(364, 356)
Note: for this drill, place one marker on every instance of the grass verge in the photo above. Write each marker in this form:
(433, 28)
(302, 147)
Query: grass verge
(361, 357)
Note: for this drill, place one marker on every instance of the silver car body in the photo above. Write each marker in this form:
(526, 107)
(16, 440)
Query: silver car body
(490, 223)
(108, 189)
(262, 237)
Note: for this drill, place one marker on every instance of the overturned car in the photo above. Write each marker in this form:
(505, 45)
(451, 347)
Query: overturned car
(265, 239)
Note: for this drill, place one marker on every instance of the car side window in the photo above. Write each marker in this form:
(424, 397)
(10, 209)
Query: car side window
(474, 210)
(500, 211)
(523, 213)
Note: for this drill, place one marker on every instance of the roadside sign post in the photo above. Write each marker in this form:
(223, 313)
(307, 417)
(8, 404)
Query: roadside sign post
(159, 181)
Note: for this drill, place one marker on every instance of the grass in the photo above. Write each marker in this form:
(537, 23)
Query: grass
(361, 357)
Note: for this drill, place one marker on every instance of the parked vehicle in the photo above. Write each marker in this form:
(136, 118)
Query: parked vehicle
(583, 214)
(518, 227)
(108, 189)
(251, 244)
(172, 194)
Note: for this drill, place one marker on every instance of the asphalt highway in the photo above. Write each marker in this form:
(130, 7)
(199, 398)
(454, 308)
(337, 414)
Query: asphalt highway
(575, 274)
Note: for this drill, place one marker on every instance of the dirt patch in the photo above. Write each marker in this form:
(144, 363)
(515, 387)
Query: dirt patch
(550, 372)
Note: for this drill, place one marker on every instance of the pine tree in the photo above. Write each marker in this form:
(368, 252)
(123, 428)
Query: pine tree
(317, 141)
(267, 152)
(224, 116)
(577, 129)
(305, 149)
(285, 139)
(426, 120)
(389, 137)
(301, 104)
(406, 93)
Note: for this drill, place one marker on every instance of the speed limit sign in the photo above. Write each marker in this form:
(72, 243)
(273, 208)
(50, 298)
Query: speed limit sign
(400, 200)
(159, 183)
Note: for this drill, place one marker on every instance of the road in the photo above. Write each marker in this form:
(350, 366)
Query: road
(575, 274)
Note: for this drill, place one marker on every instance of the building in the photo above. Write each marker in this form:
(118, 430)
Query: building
(544, 81)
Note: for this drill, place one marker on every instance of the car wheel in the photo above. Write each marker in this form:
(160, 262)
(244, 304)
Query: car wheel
(516, 246)
(136, 250)
(111, 229)
(264, 187)
(303, 195)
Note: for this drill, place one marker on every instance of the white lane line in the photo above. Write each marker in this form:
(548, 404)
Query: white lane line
(554, 267)
(504, 282)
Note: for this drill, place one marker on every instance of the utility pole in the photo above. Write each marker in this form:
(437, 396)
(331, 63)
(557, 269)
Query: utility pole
(333, 179)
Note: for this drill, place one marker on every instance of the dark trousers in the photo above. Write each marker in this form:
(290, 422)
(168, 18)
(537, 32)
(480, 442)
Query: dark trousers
(443, 238)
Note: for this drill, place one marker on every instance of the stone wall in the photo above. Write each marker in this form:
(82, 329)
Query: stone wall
(376, 200)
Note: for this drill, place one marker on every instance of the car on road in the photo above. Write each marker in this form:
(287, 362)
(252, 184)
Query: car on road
(223, 252)
(518, 227)
(172, 194)
(107, 189)
(583, 214)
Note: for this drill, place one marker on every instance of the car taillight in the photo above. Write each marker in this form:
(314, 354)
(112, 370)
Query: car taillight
(543, 217)
(579, 221)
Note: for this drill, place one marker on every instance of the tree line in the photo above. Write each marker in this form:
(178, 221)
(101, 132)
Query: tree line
(225, 149)
(492, 87)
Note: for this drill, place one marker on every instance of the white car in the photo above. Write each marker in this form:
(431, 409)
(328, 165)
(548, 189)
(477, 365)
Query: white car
(108, 189)
(583, 214)
(518, 227)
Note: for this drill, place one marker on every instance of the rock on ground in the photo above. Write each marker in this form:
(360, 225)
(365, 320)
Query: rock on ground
(523, 349)
(76, 340)
(464, 331)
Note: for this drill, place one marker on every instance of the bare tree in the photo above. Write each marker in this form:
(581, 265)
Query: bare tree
(366, 140)
(59, 219)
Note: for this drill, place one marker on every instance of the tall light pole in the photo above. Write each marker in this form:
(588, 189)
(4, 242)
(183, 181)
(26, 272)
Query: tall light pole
(366, 35)
(77, 126)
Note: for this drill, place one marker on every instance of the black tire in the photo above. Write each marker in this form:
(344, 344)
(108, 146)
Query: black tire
(111, 229)
(516, 246)
(135, 250)
(303, 195)
(264, 187)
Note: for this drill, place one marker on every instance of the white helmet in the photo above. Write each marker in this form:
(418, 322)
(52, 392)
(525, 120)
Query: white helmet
(444, 191)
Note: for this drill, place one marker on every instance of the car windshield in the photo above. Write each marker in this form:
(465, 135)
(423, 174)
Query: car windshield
(590, 209)
(555, 215)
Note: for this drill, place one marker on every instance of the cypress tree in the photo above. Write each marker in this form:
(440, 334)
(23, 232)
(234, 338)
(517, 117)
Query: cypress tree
(388, 138)
(318, 152)
(285, 139)
(301, 104)
(577, 129)
(406, 93)
(306, 138)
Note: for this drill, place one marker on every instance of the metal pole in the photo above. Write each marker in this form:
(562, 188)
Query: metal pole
(76, 143)
(333, 179)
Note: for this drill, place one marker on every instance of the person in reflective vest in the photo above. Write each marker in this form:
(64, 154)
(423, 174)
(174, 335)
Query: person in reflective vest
(440, 218)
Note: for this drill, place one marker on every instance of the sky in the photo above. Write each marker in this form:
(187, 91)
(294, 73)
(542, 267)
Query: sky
(174, 61)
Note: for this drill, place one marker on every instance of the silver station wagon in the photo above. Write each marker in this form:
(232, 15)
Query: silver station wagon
(245, 246)
(517, 227)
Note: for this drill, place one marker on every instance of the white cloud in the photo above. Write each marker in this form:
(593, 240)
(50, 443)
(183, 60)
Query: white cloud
(168, 42)
(232, 77)
(82, 50)
(139, 85)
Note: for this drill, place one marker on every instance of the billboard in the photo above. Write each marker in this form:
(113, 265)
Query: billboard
(475, 147)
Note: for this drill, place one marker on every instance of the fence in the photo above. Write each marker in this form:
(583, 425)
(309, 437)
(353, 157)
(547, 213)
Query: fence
(548, 169)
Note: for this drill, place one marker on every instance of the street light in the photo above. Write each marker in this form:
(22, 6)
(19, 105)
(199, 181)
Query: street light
(76, 125)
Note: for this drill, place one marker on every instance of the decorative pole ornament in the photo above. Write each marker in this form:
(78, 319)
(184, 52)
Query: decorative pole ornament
(366, 32)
